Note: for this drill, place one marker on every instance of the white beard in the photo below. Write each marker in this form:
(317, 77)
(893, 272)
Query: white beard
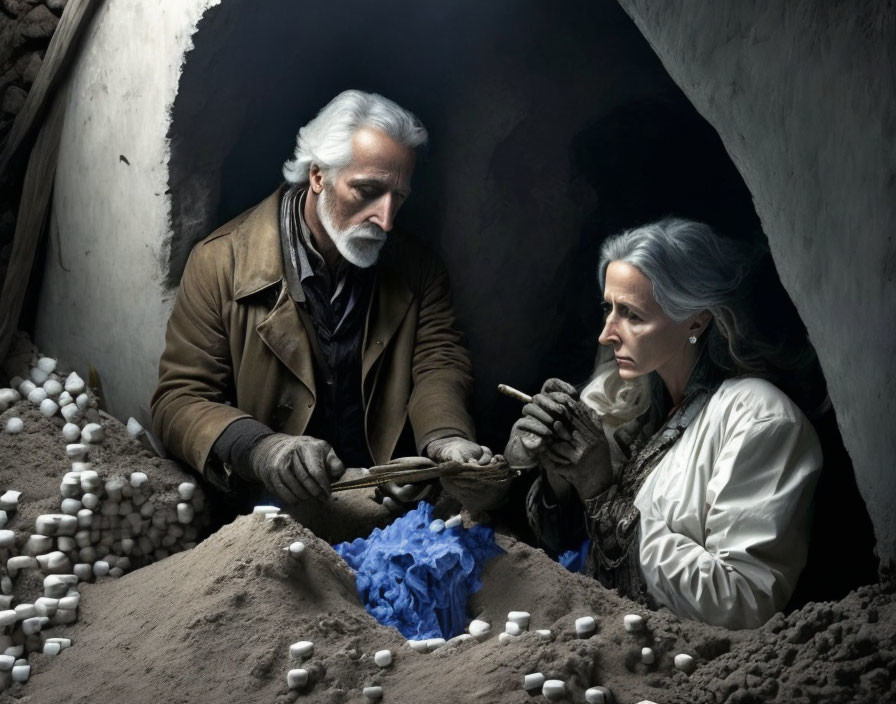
(359, 244)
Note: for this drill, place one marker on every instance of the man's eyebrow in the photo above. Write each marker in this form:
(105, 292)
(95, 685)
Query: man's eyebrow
(374, 181)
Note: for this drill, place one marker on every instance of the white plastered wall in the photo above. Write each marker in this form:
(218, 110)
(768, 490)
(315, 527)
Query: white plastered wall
(110, 219)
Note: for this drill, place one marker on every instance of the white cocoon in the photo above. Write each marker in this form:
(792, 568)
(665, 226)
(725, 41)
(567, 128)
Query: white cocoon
(52, 387)
(434, 643)
(186, 490)
(373, 693)
(512, 628)
(76, 450)
(90, 500)
(72, 413)
(3, 518)
(64, 399)
(8, 396)
(20, 562)
(83, 571)
(598, 695)
(74, 384)
(184, 513)
(9, 501)
(37, 544)
(684, 662)
(37, 396)
(7, 662)
(647, 656)
(585, 626)
(8, 617)
(383, 658)
(101, 568)
(533, 681)
(38, 376)
(70, 506)
(296, 679)
(45, 606)
(633, 623)
(553, 689)
(297, 549)
(71, 432)
(454, 521)
(302, 649)
(479, 628)
(505, 638)
(52, 648)
(46, 365)
(48, 408)
(134, 427)
(418, 646)
(70, 602)
(24, 611)
(21, 673)
(82, 401)
(33, 625)
(138, 479)
(26, 387)
(93, 433)
(14, 426)
(7, 538)
(521, 618)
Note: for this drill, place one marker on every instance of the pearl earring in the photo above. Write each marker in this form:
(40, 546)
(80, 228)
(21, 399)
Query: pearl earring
(693, 339)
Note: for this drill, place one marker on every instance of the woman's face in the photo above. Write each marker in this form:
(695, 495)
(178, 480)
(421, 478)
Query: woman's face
(643, 337)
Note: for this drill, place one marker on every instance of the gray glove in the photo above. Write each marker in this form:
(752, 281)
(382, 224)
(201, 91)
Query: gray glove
(459, 449)
(294, 467)
(565, 436)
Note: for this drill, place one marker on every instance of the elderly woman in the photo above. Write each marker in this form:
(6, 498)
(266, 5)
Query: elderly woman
(691, 473)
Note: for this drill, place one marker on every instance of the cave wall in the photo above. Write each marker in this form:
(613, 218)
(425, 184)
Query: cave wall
(103, 301)
(802, 95)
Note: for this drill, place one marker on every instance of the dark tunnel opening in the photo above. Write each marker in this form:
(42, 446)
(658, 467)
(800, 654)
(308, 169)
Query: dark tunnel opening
(551, 129)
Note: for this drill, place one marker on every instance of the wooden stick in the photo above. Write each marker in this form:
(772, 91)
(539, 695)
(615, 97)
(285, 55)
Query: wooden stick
(514, 393)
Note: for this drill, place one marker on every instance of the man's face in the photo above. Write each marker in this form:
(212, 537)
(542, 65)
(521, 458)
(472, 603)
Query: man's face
(357, 205)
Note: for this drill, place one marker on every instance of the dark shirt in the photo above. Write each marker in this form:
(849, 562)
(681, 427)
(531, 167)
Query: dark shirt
(336, 303)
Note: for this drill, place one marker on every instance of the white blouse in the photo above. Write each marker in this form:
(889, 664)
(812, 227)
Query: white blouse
(725, 514)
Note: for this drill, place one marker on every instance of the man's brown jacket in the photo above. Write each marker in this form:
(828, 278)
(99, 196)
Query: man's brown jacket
(229, 354)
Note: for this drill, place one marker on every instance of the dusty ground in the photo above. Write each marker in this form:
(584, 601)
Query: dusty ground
(214, 624)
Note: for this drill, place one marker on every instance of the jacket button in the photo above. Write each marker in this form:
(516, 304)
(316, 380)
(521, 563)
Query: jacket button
(379, 342)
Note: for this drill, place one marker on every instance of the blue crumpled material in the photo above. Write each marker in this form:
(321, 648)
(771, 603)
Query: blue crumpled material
(419, 580)
(574, 560)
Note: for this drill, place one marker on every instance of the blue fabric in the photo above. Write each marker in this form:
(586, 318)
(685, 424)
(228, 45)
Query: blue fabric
(574, 560)
(416, 575)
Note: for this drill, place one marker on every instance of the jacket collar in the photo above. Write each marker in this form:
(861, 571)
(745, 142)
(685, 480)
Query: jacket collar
(258, 261)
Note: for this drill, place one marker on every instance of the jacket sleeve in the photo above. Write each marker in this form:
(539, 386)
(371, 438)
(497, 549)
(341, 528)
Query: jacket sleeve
(441, 369)
(756, 517)
(191, 405)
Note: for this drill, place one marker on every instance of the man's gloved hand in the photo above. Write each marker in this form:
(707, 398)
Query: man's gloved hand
(457, 449)
(294, 467)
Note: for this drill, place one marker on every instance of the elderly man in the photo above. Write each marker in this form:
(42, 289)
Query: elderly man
(305, 337)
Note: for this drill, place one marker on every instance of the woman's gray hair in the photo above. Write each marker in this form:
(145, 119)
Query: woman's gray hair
(327, 139)
(692, 269)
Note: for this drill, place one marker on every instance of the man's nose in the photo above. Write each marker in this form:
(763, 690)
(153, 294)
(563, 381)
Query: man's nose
(384, 214)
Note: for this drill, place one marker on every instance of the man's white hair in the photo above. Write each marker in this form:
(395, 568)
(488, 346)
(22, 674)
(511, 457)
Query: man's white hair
(327, 139)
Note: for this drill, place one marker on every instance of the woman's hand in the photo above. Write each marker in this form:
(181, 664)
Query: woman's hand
(532, 434)
(565, 436)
